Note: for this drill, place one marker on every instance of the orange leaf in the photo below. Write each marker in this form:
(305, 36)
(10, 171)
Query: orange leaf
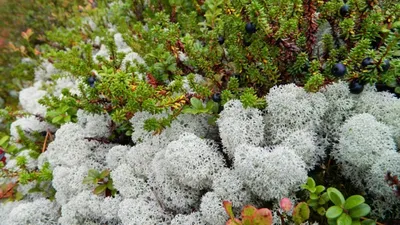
(37, 52)
(263, 217)
(7, 190)
(228, 209)
(27, 34)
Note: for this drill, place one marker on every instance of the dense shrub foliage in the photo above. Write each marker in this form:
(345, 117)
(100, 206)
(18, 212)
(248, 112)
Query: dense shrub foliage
(162, 112)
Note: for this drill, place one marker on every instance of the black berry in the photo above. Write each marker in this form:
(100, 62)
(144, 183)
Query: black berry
(91, 81)
(216, 97)
(344, 10)
(367, 62)
(386, 65)
(221, 40)
(356, 87)
(339, 70)
(250, 28)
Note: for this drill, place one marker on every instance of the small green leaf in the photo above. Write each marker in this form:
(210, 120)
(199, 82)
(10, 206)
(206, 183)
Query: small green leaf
(325, 197)
(210, 106)
(4, 140)
(67, 119)
(57, 119)
(190, 111)
(93, 173)
(312, 189)
(89, 180)
(310, 182)
(52, 113)
(344, 219)
(104, 174)
(319, 189)
(321, 211)
(321, 201)
(356, 222)
(335, 196)
(301, 213)
(360, 211)
(334, 212)
(368, 222)
(100, 189)
(353, 201)
(196, 103)
(64, 109)
(110, 185)
(313, 196)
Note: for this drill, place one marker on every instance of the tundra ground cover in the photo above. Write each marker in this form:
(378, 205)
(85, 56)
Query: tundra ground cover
(156, 112)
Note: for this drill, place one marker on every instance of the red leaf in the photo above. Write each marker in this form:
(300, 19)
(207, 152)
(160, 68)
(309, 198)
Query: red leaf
(152, 80)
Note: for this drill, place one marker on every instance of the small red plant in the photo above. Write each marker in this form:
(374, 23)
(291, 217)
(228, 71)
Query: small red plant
(250, 215)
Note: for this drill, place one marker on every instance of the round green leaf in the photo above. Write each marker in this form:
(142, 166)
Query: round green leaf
(344, 219)
(310, 182)
(325, 197)
(313, 196)
(335, 196)
(301, 213)
(312, 189)
(360, 211)
(334, 212)
(353, 201)
(319, 189)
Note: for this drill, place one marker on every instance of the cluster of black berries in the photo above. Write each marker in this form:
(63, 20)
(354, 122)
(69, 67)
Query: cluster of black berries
(356, 86)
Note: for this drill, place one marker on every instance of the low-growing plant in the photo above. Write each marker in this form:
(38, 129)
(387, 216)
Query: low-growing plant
(250, 215)
(344, 211)
(102, 181)
(318, 198)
